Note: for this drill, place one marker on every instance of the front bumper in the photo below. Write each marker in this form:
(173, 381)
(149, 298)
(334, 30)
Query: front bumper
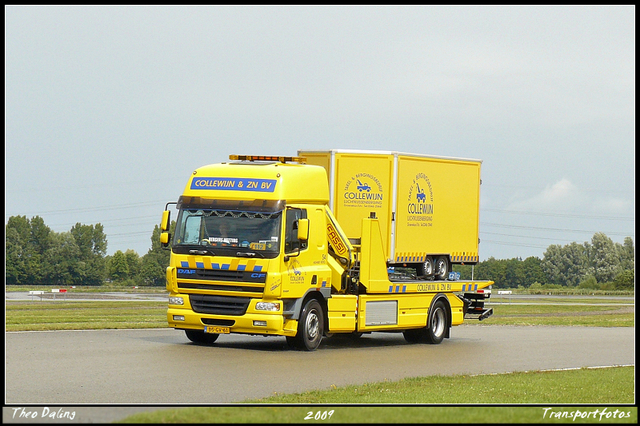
(267, 323)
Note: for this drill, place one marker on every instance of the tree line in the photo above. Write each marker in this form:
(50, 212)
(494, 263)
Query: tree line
(599, 264)
(34, 254)
(37, 255)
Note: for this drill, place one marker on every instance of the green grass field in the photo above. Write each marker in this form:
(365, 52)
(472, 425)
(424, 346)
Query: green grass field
(79, 315)
(407, 401)
(596, 312)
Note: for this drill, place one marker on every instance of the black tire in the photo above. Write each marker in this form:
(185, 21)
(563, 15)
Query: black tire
(438, 323)
(442, 268)
(197, 336)
(425, 269)
(310, 326)
(415, 335)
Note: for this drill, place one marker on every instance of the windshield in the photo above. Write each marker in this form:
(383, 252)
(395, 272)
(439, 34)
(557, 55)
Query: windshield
(203, 230)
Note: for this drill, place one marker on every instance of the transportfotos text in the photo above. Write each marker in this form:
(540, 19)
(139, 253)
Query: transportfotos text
(599, 414)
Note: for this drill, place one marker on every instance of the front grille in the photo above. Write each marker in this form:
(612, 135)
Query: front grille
(222, 275)
(219, 305)
(214, 287)
(219, 275)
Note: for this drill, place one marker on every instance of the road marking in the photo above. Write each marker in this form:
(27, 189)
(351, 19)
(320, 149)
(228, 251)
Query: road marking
(555, 369)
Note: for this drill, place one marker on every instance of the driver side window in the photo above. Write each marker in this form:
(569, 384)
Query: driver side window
(291, 242)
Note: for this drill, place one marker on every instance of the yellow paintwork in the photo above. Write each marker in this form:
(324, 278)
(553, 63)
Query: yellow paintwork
(274, 181)
(426, 205)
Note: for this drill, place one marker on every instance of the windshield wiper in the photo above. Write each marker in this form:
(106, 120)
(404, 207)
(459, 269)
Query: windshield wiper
(203, 250)
(248, 254)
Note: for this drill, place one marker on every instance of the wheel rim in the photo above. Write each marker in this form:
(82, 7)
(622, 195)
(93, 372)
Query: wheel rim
(312, 325)
(428, 267)
(442, 267)
(438, 322)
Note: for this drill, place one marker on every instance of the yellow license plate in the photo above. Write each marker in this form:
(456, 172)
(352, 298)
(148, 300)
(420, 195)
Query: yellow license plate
(216, 330)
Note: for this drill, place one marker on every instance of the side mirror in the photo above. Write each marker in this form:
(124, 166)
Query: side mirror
(303, 229)
(164, 239)
(164, 223)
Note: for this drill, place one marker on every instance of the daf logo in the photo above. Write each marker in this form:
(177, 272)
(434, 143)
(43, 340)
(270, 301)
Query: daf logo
(186, 271)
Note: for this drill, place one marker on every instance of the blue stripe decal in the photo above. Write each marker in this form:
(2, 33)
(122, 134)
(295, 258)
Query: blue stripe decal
(390, 289)
(184, 264)
(242, 267)
(404, 288)
(476, 287)
(200, 265)
(257, 268)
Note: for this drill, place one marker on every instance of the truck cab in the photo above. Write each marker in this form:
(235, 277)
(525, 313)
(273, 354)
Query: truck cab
(249, 250)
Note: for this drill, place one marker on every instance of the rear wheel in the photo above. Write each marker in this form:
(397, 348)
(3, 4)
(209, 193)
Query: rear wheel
(197, 336)
(414, 336)
(442, 268)
(425, 269)
(438, 323)
(310, 327)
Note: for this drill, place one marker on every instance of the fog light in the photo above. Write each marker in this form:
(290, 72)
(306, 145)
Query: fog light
(260, 323)
(176, 301)
(178, 317)
(267, 306)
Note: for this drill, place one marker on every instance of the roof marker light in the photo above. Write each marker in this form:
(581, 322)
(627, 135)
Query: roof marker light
(281, 159)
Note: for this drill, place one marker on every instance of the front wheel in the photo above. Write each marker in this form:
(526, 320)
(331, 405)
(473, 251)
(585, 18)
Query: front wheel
(197, 336)
(310, 327)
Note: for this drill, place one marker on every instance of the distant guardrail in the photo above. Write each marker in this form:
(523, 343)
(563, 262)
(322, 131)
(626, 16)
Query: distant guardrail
(54, 291)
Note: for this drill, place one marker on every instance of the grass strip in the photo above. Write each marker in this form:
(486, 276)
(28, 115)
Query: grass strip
(389, 415)
(583, 386)
(94, 315)
(548, 390)
(571, 315)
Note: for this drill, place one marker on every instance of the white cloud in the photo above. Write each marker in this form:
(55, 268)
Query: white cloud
(565, 197)
(561, 196)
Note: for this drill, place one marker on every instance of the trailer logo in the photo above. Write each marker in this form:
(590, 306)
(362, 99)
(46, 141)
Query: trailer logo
(420, 202)
(363, 190)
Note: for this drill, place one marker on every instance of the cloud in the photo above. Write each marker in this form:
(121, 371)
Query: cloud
(565, 197)
(562, 195)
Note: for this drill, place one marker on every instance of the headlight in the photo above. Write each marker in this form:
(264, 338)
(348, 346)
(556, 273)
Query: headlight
(176, 301)
(267, 306)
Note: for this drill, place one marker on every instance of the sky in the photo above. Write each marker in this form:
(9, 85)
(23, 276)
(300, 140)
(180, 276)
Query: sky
(108, 109)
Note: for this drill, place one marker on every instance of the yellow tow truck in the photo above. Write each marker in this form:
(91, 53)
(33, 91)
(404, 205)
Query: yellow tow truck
(325, 242)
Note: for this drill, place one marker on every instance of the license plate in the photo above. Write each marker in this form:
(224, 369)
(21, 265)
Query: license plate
(216, 330)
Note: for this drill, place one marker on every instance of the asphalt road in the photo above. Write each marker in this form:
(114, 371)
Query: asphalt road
(160, 366)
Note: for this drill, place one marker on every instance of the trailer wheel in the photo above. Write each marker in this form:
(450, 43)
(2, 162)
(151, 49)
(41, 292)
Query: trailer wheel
(310, 326)
(425, 269)
(438, 323)
(442, 268)
(197, 336)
